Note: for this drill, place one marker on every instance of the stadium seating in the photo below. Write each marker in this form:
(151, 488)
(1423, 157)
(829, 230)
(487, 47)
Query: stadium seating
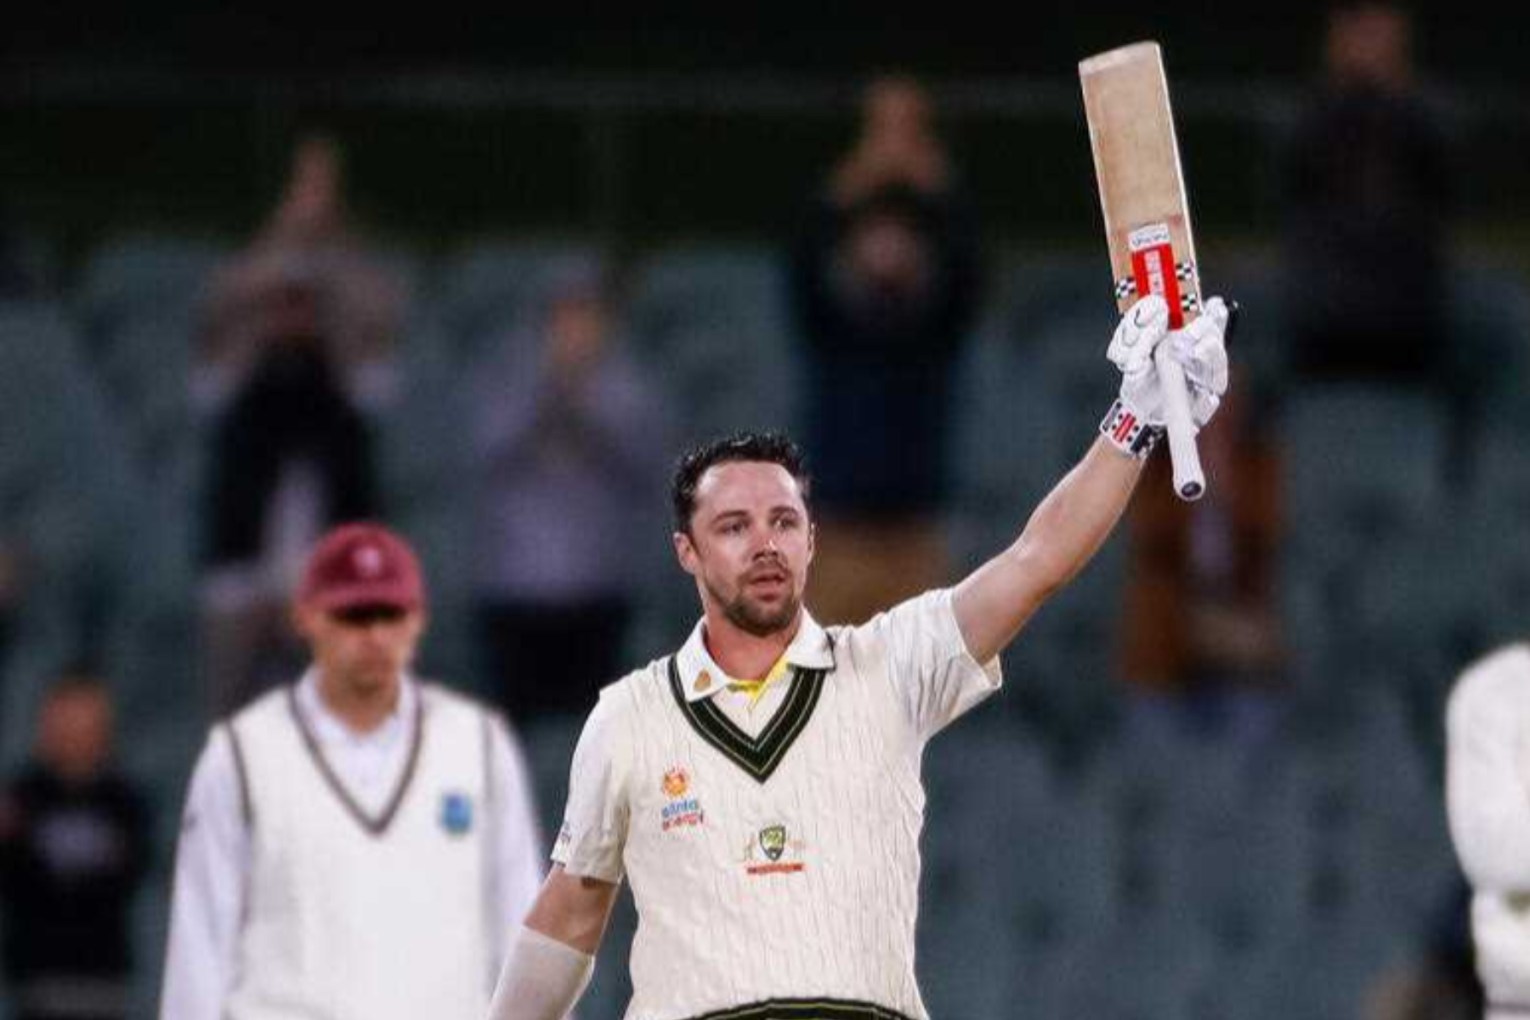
(66, 484)
(491, 287)
(710, 321)
(140, 275)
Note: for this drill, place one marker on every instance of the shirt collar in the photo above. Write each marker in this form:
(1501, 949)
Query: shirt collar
(810, 649)
(329, 728)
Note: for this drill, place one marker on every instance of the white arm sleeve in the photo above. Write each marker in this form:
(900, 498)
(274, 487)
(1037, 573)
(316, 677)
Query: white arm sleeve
(207, 905)
(1486, 795)
(542, 980)
(517, 870)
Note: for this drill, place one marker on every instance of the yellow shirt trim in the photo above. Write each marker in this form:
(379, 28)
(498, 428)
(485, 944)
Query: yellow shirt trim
(756, 688)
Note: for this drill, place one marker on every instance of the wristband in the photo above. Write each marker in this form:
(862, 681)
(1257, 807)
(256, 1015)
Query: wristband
(1128, 433)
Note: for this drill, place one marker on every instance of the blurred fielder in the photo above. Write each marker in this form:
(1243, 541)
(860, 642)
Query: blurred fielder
(760, 788)
(354, 845)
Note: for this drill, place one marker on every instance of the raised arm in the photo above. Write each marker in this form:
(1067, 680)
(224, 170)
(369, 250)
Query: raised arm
(994, 602)
(1075, 518)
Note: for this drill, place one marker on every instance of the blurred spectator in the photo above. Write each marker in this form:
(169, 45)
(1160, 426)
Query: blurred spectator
(296, 355)
(73, 850)
(885, 282)
(1367, 187)
(1201, 645)
(309, 241)
(569, 436)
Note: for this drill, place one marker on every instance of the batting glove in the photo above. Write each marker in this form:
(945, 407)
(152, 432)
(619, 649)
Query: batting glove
(1136, 420)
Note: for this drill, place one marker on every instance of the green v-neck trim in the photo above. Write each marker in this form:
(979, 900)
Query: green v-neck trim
(805, 1009)
(758, 756)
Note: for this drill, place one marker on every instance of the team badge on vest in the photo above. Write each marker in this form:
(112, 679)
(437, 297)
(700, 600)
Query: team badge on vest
(456, 813)
(682, 810)
(772, 851)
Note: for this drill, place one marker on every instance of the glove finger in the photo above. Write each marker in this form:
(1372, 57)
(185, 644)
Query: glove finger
(1203, 404)
(1211, 364)
(1203, 358)
(1216, 310)
(1200, 350)
(1139, 331)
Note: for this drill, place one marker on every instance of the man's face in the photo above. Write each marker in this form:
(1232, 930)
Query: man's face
(364, 650)
(749, 545)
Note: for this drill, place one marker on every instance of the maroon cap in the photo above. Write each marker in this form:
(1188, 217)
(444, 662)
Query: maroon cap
(362, 564)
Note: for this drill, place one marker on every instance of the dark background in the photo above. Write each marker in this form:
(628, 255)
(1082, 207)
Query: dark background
(663, 120)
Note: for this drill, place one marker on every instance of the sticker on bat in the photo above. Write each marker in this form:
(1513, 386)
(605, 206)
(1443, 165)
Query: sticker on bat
(1151, 236)
(1153, 267)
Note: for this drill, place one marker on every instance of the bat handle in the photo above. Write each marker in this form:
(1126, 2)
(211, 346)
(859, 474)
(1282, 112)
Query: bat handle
(1189, 479)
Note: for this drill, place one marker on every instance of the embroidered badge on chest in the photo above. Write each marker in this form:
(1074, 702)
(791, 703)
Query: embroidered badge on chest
(773, 851)
(682, 809)
(456, 813)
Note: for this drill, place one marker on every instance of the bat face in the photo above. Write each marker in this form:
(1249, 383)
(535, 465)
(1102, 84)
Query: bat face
(1147, 219)
(1142, 191)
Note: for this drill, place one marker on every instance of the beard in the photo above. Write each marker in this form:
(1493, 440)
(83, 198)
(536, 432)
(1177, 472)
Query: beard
(754, 618)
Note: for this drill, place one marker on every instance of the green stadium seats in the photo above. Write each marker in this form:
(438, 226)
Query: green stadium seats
(709, 321)
(144, 274)
(494, 286)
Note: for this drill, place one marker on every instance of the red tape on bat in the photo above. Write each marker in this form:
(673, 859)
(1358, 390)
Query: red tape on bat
(1153, 271)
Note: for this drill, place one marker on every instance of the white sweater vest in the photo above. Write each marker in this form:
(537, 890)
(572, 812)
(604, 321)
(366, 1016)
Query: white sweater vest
(357, 918)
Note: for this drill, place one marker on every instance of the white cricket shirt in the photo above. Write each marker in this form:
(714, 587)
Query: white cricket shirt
(302, 787)
(775, 869)
(1487, 798)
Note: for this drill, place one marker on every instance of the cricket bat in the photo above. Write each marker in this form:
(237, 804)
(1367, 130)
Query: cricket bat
(1147, 217)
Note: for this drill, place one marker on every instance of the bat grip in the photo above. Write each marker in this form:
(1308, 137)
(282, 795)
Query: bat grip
(1189, 479)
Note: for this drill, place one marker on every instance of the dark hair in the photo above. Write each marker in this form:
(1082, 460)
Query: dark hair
(765, 447)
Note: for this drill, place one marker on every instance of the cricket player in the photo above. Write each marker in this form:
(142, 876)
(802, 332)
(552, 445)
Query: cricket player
(1487, 800)
(359, 843)
(760, 788)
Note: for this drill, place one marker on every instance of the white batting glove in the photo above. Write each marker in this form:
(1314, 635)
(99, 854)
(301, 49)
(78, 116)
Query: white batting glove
(1201, 350)
(1136, 421)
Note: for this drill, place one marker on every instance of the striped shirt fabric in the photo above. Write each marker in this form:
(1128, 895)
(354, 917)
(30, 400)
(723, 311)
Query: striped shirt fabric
(775, 866)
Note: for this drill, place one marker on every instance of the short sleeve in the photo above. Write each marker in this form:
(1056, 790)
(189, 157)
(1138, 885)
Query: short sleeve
(594, 830)
(208, 900)
(928, 664)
